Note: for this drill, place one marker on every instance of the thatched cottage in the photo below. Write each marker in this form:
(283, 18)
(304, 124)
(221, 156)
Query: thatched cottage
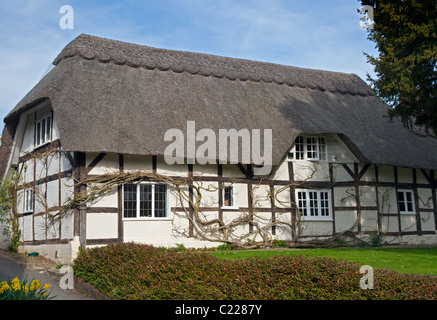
(89, 144)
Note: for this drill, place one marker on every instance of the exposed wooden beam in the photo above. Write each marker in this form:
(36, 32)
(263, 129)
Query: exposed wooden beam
(348, 170)
(96, 160)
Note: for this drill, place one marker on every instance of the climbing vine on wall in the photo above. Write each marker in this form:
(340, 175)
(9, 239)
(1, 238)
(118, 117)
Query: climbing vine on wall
(8, 210)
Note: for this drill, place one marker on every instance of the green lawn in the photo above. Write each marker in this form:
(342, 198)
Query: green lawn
(403, 260)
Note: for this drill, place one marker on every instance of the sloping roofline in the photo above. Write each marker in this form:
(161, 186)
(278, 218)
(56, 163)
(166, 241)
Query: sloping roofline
(131, 91)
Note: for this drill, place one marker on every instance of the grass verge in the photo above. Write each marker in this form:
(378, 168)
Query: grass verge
(403, 260)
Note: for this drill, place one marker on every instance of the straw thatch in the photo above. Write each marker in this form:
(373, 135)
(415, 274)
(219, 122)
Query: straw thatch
(111, 96)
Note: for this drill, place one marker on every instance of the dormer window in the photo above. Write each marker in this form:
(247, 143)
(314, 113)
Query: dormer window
(309, 148)
(43, 131)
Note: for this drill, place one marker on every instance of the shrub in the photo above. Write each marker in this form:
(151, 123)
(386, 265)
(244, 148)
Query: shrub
(280, 243)
(226, 247)
(376, 239)
(180, 247)
(135, 271)
(16, 290)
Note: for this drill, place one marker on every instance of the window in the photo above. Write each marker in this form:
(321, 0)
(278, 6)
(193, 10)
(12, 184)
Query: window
(309, 148)
(314, 204)
(28, 200)
(406, 201)
(145, 200)
(228, 193)
(43, 131)
(299, 148)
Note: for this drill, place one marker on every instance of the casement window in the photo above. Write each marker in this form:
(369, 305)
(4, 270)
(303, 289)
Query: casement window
(145, 200)
(228, 196)
(28, 200)
(43, 130)
(309, 148)
(314, 204)
(406, 201)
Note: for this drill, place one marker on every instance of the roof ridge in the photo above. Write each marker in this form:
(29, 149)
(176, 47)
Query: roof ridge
(136, 56)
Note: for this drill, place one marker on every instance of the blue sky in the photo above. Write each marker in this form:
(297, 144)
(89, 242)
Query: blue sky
(310, 34)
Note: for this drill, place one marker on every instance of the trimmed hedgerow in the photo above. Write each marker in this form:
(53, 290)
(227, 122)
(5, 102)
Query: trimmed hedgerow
(135, 271)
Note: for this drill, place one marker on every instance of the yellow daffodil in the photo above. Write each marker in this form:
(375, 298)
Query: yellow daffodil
(4, 286)
(16, 284)
(17, 288)
(35, 285)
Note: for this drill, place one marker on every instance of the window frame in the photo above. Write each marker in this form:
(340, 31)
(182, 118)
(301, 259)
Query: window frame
(233, 195)
(28, 200)
(306, 144)
(405, 200)
(47, 133)
(153, 216)
(322, 203)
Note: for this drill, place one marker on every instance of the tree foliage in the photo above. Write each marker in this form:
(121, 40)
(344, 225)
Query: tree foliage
(405, 34)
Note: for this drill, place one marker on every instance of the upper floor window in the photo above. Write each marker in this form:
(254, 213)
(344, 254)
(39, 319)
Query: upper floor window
(406, 201)
(145, 200)
(43, 130)
(309, 148)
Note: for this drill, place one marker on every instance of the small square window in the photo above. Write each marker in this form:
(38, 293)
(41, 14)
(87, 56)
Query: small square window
(406, 202)
(228, 193)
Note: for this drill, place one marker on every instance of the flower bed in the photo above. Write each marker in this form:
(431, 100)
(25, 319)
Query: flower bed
(16, 290)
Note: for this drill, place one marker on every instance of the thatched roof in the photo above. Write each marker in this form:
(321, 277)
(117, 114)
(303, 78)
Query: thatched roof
(111, 96)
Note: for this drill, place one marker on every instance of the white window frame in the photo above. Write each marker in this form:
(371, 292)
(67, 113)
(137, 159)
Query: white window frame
(311, 148)
(153, 217)
(405, 201)
(316, 200)
(45, 137)
(28, 200)
(233, 195)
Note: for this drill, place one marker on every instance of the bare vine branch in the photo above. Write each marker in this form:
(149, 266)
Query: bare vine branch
(249, 228)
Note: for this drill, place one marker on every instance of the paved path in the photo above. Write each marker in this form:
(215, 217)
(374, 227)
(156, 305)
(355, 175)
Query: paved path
(10, 268)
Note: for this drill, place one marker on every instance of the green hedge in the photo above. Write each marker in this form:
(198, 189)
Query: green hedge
(134, 271)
